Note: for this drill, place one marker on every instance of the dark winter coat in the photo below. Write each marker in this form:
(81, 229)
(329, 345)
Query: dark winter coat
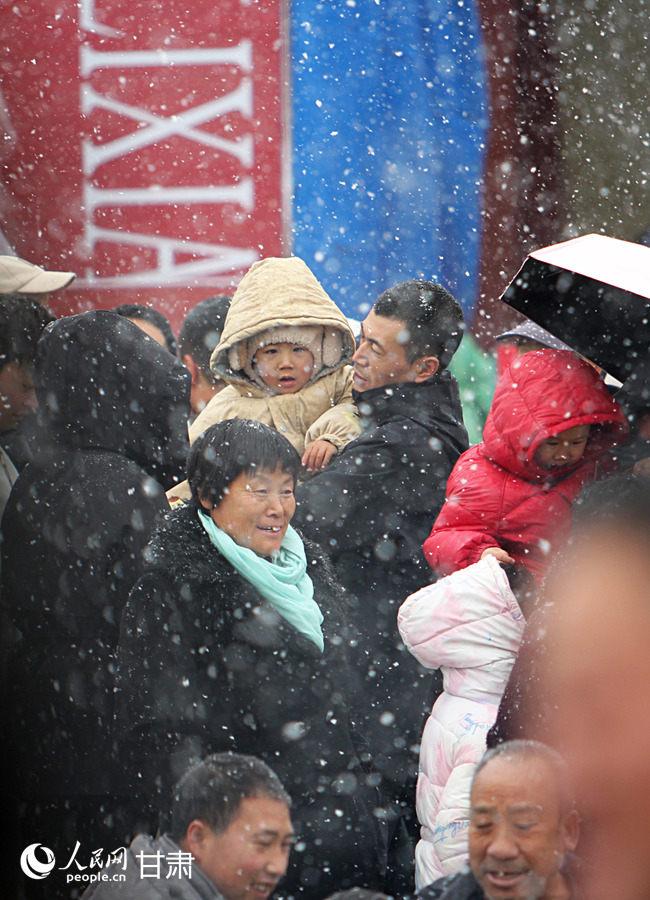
(526, 710)
(74, 531)
(205, 665)
(498, 495)
(370, 509)
(463, 885)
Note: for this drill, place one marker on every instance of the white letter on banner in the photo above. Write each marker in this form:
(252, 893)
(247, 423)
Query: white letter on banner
(159, 128)
(240, 193)
(88, 22)
(240, 55)
(217, 259)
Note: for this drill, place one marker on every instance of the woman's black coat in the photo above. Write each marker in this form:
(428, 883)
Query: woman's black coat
(205, 664)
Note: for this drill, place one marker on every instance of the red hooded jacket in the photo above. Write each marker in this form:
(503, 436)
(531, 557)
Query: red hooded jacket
(497, 495)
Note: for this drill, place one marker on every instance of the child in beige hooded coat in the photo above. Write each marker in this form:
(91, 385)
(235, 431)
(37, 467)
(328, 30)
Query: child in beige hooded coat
(284, 352)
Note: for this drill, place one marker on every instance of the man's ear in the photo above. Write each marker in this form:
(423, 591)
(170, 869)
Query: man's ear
(425, 368)
(571, 827)
(206, 505)
(189, 363)
(195, 838)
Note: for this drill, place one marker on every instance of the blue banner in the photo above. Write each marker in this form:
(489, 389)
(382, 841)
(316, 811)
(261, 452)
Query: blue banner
(390, 122)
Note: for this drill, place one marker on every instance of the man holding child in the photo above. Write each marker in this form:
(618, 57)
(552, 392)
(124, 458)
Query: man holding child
(372, 508)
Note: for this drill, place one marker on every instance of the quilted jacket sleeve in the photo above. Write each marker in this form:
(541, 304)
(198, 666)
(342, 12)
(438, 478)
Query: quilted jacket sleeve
(466, 525)
(340, 424)
(468, 620)
(451, 825)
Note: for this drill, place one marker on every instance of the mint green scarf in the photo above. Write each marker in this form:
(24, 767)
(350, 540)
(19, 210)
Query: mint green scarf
(282, 580)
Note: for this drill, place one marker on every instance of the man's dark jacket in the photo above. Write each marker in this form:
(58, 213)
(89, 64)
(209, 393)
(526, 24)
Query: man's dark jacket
(371, 510)
(464, 886)
(461, 886)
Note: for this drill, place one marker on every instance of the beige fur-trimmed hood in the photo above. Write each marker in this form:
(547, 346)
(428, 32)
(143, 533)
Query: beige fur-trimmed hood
(280, 293)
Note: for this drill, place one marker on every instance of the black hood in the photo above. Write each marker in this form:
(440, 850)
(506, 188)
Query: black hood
(103, 384)
(634, 394)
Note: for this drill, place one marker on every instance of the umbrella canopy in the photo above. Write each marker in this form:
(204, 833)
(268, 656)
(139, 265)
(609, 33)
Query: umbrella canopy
(592, 292)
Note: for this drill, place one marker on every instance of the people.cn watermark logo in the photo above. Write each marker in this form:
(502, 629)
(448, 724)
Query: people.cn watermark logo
(37, 861)
(37, 866)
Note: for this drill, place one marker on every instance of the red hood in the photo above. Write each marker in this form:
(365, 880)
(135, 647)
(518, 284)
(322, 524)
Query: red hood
(540, 394)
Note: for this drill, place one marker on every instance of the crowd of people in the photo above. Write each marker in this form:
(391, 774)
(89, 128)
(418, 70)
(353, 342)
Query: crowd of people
(260, 570)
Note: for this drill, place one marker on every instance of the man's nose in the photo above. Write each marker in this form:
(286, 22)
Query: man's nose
(359, 355)
(277, 862)
(503, 845)
(30, 400)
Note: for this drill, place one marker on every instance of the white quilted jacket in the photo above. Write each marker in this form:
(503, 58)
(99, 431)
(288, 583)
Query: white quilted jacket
(469, 625)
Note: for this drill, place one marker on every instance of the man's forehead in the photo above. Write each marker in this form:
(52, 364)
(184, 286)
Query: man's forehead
(257, 815)
(524, 780)
(378, 326)
(19, 371)
(261, 828)
(490, 804)
(26, 369)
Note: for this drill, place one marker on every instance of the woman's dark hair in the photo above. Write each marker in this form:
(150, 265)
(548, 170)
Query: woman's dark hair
(136, 311)
(231, 447)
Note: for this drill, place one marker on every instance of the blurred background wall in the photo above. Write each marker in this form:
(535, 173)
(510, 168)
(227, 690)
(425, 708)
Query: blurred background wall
(158, 152)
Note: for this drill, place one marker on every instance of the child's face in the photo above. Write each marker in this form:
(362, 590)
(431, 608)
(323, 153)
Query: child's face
(563, 449)
(286, 368)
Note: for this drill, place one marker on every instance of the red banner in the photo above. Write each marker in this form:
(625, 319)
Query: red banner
(144, 145)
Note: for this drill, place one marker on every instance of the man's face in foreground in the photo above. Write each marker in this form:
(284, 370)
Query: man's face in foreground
(598, 679)
(518, 835)
(247, 860)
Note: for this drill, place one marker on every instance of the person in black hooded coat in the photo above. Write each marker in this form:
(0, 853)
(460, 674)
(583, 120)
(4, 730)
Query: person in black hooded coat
(207, 663)
(114, 406)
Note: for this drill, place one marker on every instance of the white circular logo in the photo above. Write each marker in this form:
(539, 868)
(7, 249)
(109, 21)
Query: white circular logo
(32, 866)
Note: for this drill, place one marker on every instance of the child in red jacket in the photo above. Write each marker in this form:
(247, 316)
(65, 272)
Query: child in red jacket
(550, 427)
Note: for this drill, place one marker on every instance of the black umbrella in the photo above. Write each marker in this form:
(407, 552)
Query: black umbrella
(592, 292)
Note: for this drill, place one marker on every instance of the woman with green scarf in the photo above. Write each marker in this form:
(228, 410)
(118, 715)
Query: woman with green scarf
(233, 640)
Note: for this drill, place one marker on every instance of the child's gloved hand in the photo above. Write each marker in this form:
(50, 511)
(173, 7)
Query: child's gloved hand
(500, 555)
(317, 455)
